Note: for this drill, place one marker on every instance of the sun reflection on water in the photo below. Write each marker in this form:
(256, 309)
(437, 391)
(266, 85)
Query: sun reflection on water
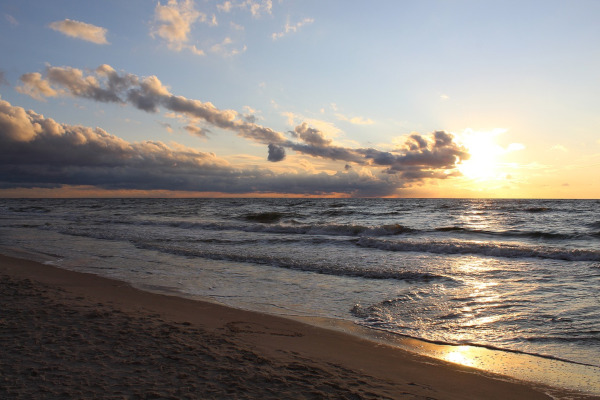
(462, 355)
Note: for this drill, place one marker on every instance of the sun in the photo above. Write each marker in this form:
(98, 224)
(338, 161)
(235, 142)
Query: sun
(485, 153)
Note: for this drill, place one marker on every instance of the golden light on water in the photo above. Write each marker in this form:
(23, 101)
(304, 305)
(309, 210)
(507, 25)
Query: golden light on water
(463, 355)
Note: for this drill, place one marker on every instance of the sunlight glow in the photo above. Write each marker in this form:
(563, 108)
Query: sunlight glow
(485, 153)
(462, 355)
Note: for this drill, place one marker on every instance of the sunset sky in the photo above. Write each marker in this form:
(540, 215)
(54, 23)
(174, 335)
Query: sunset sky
(300, 98)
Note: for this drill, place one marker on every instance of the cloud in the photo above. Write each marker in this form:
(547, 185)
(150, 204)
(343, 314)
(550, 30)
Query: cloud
(326, 127)
(195, 130)
(81, 30)
(256, 8)
(224, 48)
(35, 86)
(167, 126)
(292, 28)
(11, 20)
(196, 50)
(276, 153)
(355, 120)
(310, 135)
(235, 26)
(422, 157)
(14, 123)
(173, 23)
(226, 6)
(147, 94)
(36, 151)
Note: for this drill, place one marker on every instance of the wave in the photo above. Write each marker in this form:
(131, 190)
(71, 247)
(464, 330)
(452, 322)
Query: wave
(537, 209)
(337, 213)
(510, 233)
(488, 346)
(288, 263)
(586, 338)
(267, 227)
(270, 223)
(264, 217)
(503, 250)
(377, 317)
(29, 209)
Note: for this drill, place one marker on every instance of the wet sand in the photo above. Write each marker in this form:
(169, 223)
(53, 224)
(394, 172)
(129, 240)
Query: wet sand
(66, 334)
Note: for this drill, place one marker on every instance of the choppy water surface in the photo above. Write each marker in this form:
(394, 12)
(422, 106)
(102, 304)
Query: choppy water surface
(519, 275)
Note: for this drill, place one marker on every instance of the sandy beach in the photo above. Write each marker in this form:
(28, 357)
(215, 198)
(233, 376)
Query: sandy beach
(65, 334)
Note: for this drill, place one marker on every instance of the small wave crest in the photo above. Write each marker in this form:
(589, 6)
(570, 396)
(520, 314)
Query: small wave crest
(264, 217)
(29, 209)
(503, 250)
(537, 209)
(586, 338)
(509, 233)
(289, 263)
(268, 225)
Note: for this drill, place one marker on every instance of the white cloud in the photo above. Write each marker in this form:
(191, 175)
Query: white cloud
(196, 51)
(355, 120)
(81, 30)
(226, 6)
(326, 127)
(11, 20)
(173, 22)
(560, 147)
(236, 26)
(291, 28)
(256, 8)
(225, 48)
(36, 87)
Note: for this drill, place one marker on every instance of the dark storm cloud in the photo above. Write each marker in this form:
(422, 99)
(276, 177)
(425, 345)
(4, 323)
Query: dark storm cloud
(38, 152)
(276, 153)
(421, 157)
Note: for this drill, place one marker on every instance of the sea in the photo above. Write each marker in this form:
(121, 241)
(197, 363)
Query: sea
(517, 276)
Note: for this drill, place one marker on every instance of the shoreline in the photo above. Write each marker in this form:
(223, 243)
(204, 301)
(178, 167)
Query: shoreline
(242, 353)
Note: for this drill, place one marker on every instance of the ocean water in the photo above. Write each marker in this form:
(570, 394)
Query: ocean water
(517, 275)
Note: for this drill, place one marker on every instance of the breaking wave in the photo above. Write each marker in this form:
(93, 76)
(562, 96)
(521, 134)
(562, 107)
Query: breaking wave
(503, 250)
(290, 263)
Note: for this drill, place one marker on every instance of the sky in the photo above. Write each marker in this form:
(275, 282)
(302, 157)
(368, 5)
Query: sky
(263, 98)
